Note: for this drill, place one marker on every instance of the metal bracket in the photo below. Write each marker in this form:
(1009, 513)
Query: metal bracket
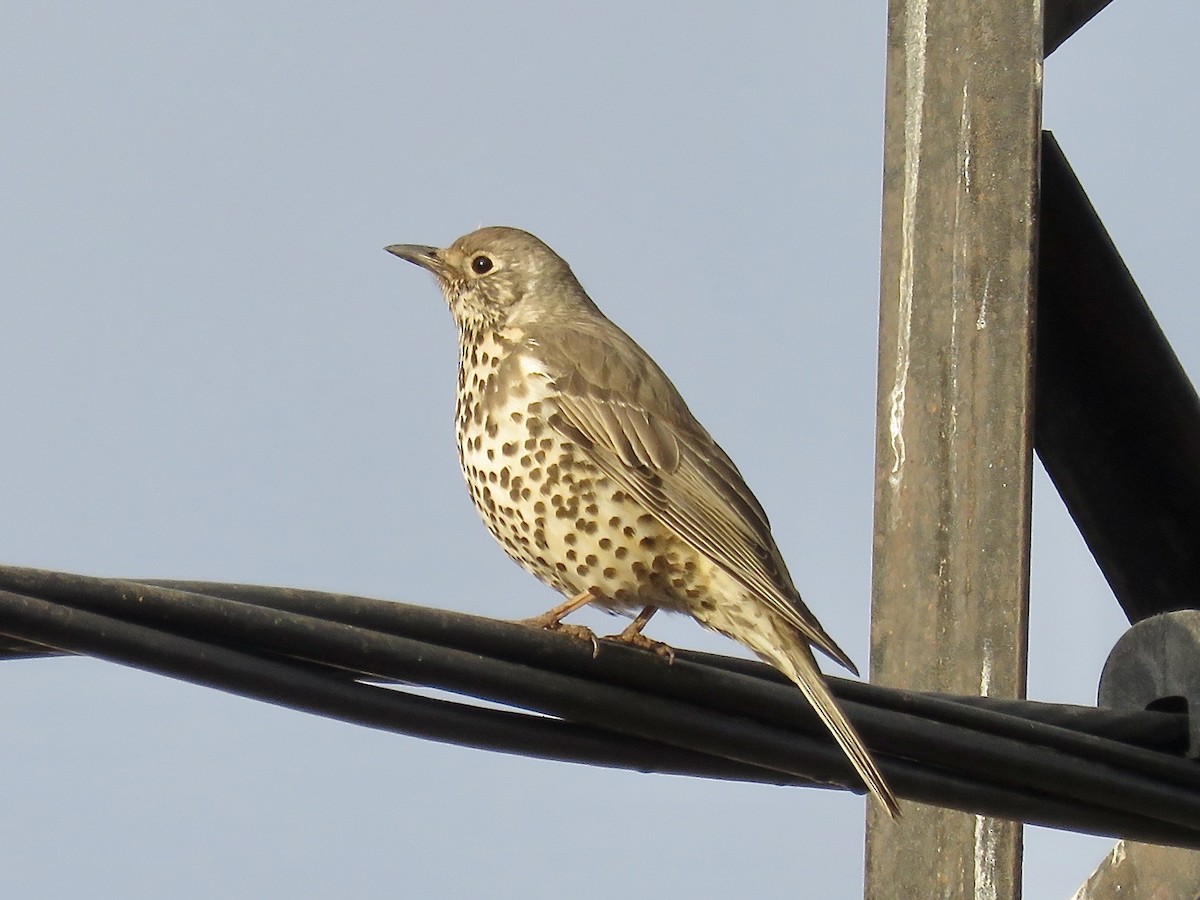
(1157, 660)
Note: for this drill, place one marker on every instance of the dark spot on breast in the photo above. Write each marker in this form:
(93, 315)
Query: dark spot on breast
(610, 573)
(605, 544)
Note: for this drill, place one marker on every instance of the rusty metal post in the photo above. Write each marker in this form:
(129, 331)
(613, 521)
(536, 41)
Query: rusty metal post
(953, 431)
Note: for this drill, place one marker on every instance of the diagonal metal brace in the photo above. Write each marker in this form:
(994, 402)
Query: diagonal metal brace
(1157, 663)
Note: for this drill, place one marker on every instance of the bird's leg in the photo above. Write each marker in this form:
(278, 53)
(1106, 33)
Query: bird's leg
(633, 635)
(551, 620)
(633, 631)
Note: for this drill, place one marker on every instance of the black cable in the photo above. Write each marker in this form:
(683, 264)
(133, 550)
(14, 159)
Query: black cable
(291, 684)
(960, 755)
(323, 692)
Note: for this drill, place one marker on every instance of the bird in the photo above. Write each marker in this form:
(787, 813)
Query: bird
(587, 466)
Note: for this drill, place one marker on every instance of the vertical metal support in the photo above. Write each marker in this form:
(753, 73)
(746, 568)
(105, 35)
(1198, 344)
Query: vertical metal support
(953, 429)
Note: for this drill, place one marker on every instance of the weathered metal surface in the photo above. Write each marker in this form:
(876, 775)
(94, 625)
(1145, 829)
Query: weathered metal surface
(953, 452)
(1135, 871)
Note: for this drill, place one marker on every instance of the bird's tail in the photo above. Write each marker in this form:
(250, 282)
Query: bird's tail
(795, 660)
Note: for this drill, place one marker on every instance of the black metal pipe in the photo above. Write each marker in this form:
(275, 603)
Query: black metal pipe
(1117, 421)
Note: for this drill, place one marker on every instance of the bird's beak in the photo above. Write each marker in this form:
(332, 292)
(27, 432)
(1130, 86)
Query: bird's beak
(426, 257)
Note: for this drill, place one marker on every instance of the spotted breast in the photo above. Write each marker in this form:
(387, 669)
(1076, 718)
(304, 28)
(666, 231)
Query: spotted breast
(548, 505)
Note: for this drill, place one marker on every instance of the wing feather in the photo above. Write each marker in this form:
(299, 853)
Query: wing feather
(646, 440)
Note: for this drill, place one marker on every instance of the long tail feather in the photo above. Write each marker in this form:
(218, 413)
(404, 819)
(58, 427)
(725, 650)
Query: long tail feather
(797, 662)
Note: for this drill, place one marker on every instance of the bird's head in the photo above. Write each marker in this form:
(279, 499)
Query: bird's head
(498, 276)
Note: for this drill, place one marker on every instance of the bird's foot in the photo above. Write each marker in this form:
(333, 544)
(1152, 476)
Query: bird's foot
(552, 620)
(637, 639)
(633, 636)
(546, 623)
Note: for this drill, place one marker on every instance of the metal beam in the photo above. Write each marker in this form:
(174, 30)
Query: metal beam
(1118, 421)
(1065, 17)
(954, 447)
(1134, 870)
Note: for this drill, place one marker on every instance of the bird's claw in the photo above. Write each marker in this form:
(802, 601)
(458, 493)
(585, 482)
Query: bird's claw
(549, 623)
(637, 639)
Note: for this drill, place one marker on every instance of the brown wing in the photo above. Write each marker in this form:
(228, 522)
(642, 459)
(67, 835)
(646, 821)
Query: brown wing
(619, 407)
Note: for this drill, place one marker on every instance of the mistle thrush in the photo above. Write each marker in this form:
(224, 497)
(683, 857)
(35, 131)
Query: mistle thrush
(589, 469)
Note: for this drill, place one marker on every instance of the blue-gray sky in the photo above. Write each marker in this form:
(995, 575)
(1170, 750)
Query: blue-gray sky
(212, 370)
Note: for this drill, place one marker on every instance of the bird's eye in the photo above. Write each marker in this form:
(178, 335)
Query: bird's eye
(481, 264)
